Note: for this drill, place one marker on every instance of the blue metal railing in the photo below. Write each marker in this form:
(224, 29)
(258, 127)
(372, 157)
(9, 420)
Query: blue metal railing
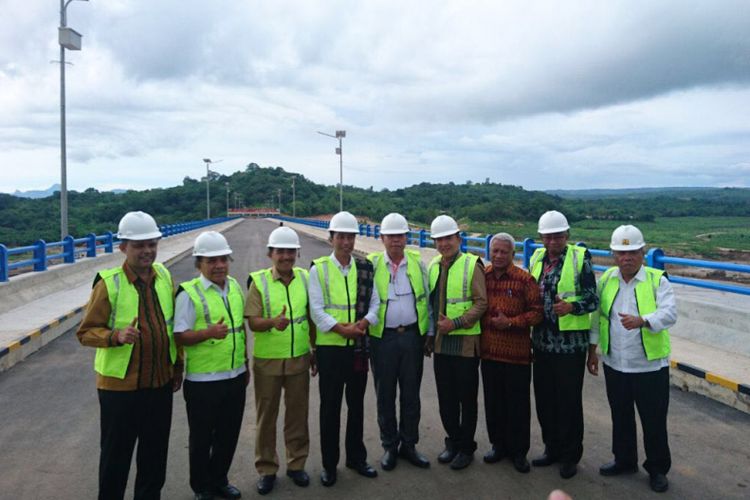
(69, 249)
(481, 246)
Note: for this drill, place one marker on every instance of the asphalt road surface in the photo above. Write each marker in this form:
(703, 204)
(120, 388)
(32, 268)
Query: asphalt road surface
(49, 437)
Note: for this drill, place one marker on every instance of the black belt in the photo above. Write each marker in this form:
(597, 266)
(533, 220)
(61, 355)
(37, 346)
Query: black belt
(402, 328)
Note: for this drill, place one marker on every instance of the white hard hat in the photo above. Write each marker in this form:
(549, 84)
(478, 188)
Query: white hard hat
(344, 222)
(626, 238)
(443, 225)
(552, 222)
(283, 237)
(137, 226)
(394, 224)
(211, 244)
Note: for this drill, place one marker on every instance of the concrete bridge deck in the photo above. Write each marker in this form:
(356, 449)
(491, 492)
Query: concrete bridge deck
(49, 437)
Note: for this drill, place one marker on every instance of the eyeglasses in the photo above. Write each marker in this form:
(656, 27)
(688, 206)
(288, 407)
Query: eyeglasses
(553, 237)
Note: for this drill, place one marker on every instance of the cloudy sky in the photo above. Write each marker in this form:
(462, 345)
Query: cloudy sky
(542, 94)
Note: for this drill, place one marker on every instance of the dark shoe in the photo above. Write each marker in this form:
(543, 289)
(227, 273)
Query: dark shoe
(299, 477)
(521, 465)
(568, 470)
(415, 458)
(265, 484)
(229, 491)
(328, 478)
(615, 469)
(447, 455)
(544, 460)
(462, 460)
(204, 496)
(363, 469)
(493, 456)
(658, 482)
(388, 462)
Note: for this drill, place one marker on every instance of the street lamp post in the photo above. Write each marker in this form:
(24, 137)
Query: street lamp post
(294, 198)
(227, 186)
(208, 161)
(340, 134)
(68, 39)
(279, 201)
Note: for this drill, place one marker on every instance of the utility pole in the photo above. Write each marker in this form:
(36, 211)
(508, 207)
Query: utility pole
(227, 185)
(294, 198)
(340, 134)
(279, 200)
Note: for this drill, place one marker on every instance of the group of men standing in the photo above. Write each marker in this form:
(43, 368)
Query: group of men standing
(386, 313)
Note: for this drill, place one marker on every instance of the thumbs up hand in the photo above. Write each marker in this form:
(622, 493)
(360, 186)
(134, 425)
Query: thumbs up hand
(280, 322)
(444, 324)
(129, 334)
(218, 330)
(560, 307)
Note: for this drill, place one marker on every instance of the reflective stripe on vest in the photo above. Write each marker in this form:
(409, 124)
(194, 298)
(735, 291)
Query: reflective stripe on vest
(655, 344)
(216, 355)
(293, 341)
(414, 272)
(124, 304)
(568, 287)
(339, 297)
(458, 297)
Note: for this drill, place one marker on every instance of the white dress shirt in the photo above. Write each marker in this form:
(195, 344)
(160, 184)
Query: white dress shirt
(184, 320)
(626, 351)
(324, 321)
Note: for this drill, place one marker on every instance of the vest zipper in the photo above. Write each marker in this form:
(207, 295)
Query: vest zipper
(231, 322)
(348, 305)
(609, 318)
(640, 330)
(291, 316)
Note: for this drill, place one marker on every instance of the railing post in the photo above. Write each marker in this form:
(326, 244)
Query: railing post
(528, 250)
(108, 242)
(408, 238)
(377, 231)
(69, 249)
(40, 255)
(361, 229)
(369, 230)
(422, 238)
(488, 239)
(463, 241)
(3, 262)
(91, 245)
(654, 258)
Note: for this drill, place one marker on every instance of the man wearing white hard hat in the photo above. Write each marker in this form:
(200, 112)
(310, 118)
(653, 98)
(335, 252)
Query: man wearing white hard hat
(209, 324)
(343, 304)
(637, 306)
(279, 316)
(568, 288)
(459, 299)
(129, 321)
(397, 341)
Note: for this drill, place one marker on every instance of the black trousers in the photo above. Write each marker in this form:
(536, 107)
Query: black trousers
(397, 362)
(649, 392)
(336, 376)
(145, 416)
(214, 411)
(457, 380)
(507, 406)
(558, 384)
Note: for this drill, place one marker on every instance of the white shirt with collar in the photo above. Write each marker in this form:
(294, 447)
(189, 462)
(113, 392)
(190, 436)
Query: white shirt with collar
(184, 320)
(324, 321)
(401, 306)
(626, 351)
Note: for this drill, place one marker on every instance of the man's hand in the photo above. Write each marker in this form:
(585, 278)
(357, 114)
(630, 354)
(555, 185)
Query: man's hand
(280, 322)
(444, 324)
(129, 334)
(363, 324)
(313, 364)
(349, 330)
(177, 379)
(500, 321)
(561, 308)
(217, 331)
(429, 346)
(631, 322)
(247, 374)
(592, 363)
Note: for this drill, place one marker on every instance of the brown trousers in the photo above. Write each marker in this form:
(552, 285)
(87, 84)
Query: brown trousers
(271, 376)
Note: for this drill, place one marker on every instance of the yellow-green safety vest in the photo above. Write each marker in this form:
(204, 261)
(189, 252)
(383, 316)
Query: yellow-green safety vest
(568, 287)
(339, 297)
(124, 301)
(458, 297)
(416, 275)
(216, 355)
(656, 344)
(294, 340)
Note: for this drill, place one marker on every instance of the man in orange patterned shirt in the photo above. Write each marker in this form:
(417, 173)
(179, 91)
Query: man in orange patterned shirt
(514, 305)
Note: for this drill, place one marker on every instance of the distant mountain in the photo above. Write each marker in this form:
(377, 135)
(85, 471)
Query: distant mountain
(647, 192)
(38, 193)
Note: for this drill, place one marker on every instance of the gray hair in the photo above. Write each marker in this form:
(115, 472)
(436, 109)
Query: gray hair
(504, 237)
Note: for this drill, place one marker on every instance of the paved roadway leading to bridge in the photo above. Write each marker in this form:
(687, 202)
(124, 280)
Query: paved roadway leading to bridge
(50, 432)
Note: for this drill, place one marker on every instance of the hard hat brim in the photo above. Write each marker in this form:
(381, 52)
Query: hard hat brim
(283, 245)
(626, 248)
(215, 253)
(140, 237)
(553, 230)
(394, 231)
(444, 233)
(350, 231)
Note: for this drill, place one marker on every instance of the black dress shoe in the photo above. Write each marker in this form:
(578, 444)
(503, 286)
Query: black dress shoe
(521, 465)
(228, 491)
(462, 460)
(493, 456)
(658, 482)
(204, 495)
(568, 470)
(328, 478)
(265, 483)
(415, 458)
(388, 462)
(363, 469)
(447, 455)
(299, 477)
(615, 469)
(543, 460)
